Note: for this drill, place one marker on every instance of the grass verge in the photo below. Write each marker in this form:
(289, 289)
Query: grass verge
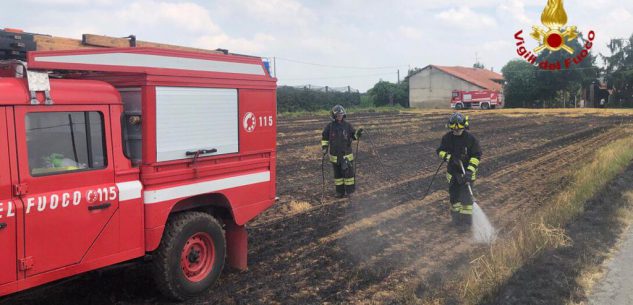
(544, 230)
(592, 270)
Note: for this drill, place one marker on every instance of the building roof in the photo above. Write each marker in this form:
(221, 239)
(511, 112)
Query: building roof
(480, 77)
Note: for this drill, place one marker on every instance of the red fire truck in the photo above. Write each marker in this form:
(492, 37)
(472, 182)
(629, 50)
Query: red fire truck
(115, 154)
(483, 99)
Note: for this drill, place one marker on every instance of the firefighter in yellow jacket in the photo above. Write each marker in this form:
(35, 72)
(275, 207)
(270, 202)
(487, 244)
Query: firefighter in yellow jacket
(337, 141)
(460, 146)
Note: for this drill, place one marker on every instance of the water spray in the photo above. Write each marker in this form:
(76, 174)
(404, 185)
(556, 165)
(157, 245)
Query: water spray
(483, 231)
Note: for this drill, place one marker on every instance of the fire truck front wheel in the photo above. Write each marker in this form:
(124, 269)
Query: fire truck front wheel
(190, 256)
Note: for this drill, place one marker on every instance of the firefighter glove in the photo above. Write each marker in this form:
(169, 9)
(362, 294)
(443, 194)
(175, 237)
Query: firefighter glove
(359, 133)
(445, 156)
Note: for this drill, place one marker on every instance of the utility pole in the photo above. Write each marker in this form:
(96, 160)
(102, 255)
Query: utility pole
(398, 76)
(275, 66)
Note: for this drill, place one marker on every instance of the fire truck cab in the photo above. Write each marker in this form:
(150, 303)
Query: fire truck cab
(109, 155)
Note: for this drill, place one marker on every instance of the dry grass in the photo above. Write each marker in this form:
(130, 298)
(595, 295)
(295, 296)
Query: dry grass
(296, 206)
(545, 229)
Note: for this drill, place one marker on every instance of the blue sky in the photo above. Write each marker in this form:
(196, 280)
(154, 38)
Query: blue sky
(334, 43)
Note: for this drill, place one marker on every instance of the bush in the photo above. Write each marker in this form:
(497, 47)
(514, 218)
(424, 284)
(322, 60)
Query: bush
(290, 99)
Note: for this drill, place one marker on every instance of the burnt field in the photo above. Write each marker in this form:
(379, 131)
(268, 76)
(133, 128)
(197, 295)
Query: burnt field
(383, 245)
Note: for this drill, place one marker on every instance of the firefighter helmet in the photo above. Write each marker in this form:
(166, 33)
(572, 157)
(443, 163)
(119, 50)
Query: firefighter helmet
(457, 121)
(336, 110)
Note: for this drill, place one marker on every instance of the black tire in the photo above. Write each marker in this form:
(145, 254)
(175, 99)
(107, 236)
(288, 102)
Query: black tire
(485, 106)
(166, 265)
(459, 106)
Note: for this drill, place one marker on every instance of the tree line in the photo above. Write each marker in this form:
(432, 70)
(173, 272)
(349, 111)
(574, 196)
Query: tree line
(290, 99)
(526, 85)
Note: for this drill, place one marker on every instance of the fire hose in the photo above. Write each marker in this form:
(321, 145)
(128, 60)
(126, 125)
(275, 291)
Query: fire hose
(470, 190)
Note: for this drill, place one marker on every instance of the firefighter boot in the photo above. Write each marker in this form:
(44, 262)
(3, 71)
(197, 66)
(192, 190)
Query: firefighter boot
(466, 216)
(340, 187)
(456, 208)
(350, 186)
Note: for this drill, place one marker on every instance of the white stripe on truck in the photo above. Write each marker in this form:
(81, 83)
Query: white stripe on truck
(154, 61)
(205, 187)
(129, 190)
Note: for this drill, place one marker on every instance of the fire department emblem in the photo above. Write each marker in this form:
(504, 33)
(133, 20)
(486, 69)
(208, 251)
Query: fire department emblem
(556, 36)
(249, 122)
(91, 196)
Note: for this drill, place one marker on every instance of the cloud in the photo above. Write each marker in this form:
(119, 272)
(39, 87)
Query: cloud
(595, 4)
(185, 15)
(515, 9)
(70, 2)
(196, 22)
(286, 12)
(465, 18)
(235, 45)
(410, 32)
(425, 4)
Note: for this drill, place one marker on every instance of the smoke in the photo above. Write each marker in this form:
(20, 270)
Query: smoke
(554, 15)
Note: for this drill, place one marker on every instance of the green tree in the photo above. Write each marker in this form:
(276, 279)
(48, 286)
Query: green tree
(561, 86)
(386, 93)
(521, 89)
(290, 99)
(527, 85)
(619, 70)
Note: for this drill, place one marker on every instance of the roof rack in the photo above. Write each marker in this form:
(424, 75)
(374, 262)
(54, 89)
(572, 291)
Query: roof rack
(15, 43)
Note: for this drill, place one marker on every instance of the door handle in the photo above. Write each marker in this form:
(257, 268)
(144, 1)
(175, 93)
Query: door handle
(201, 152)
(3, 225)
(102, 206)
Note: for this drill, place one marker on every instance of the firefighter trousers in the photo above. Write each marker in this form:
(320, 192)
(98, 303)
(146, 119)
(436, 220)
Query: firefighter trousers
(344, 177)
(461, 202)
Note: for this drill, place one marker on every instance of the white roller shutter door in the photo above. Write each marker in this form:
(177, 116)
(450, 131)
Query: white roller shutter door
(191, 119)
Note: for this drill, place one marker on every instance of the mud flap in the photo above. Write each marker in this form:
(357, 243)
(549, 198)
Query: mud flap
(236, 246)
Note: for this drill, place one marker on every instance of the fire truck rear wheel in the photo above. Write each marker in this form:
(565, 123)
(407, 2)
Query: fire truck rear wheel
(190, 256)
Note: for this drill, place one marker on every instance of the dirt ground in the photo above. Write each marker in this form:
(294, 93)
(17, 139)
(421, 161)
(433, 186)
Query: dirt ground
(378, 245)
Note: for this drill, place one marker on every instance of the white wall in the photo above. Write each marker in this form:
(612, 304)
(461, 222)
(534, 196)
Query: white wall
(432, 88)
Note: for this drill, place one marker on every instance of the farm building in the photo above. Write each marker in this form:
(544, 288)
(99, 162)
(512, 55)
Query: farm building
(432, 86)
